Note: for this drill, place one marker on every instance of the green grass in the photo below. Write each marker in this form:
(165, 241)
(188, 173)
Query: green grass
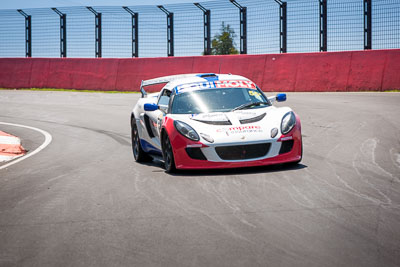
(72, 90)
(391, 91)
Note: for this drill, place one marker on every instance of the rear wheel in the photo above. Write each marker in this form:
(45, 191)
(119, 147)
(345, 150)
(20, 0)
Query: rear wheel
(168, 155)
(138, 152)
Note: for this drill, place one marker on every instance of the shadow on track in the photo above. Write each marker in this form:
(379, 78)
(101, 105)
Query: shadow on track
(230, 171)
(238, 171)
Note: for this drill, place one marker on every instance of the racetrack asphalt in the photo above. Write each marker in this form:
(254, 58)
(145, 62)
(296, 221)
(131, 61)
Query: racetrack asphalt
(83, 201)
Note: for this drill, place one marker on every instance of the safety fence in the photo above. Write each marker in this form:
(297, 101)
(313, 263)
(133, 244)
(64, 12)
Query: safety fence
(260, 27)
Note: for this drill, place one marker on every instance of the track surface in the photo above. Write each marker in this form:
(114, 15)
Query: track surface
(83, 201)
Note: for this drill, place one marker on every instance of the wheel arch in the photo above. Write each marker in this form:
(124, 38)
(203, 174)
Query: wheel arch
(132, 118)
(162, 136)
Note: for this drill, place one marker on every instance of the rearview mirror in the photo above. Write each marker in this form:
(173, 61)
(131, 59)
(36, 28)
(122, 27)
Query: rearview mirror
(150, 106)
(280, 97)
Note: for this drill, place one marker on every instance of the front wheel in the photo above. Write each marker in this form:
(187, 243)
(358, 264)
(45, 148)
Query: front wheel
(138, 152)
(168, 155)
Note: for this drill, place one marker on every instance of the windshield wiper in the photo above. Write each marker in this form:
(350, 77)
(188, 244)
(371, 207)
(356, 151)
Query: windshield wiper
(248, 105)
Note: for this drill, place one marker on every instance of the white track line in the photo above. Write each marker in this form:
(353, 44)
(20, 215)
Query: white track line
(46, 142)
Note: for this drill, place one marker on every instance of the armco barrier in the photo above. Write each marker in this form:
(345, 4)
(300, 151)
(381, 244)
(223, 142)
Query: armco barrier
(373, 70)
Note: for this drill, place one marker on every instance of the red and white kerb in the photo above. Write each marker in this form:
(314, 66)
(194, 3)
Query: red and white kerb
(10, 147)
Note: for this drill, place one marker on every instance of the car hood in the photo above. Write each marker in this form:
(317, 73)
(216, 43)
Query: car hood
(250, 126)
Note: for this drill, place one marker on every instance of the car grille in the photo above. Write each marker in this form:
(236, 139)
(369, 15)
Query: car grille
(243, 151)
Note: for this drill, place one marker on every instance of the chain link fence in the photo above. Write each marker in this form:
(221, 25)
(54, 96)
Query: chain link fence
(260, 26)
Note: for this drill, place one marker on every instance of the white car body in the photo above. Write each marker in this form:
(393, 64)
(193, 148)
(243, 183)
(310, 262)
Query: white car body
(246, 127)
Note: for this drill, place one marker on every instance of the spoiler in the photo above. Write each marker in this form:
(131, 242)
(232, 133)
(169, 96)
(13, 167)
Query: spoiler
(170, 78)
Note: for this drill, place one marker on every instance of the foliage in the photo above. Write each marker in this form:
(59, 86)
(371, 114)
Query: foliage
(223, 42)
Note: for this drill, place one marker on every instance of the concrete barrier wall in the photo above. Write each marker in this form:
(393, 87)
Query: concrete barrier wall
(374, 70)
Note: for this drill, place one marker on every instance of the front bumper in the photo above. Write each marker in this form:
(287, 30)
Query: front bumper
(211, 160)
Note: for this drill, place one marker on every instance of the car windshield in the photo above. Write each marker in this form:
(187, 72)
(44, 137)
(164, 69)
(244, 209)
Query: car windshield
(217, 100)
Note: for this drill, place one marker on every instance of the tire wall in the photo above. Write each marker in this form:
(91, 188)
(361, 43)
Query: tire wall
(374, 70)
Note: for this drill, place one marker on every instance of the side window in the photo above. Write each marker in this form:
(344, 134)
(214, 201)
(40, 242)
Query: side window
(164, 98)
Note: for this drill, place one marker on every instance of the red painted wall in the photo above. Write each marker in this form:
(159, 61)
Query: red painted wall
(373, 70)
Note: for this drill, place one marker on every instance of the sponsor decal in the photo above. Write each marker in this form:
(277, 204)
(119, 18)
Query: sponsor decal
(216, 84)
(234, 84)
(254, 93)
(243, 115)
(240, 129)
(210, 117)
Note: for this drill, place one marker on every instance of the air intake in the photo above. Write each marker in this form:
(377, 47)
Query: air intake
(215, 122)
(255, 119)
(241, 152)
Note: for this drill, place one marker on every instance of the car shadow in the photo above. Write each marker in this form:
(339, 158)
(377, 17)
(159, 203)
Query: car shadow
(239, 171)
(230, 171)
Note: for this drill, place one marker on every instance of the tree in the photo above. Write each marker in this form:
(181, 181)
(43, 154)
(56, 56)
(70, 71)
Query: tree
(222, 43)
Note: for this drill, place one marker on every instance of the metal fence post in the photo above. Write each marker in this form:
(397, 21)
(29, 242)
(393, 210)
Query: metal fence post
(367, 24)
(207, 28)
(282, 26)
(170, 31)
(97, 21)
(135, 31)
(283, 20)
(243, 26)
(63, 32)
(28, 33)
(323, 26)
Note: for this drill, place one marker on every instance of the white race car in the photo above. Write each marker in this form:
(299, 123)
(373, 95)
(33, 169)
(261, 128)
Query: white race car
(207, 121)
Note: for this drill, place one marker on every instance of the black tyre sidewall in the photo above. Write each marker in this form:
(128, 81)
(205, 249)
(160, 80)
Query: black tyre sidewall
(168, 151)
(141, 154)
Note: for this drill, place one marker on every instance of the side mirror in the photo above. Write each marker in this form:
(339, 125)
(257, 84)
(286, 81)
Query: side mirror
(150, 106)
(280, 97)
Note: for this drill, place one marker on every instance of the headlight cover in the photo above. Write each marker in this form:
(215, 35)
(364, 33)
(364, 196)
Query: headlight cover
(288, 122)
(187, 131)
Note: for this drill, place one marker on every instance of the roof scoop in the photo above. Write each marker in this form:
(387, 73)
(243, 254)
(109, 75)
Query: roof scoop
(206, 75)
(209, 76)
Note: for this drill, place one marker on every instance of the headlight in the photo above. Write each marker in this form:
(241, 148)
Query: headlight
(288, 122)
(187, 131)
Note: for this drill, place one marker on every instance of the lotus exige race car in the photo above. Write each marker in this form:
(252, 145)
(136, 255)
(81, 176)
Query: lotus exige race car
(203, 121)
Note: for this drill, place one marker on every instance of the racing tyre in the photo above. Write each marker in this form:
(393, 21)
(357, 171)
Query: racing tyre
(138, 152)
(168, 155)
